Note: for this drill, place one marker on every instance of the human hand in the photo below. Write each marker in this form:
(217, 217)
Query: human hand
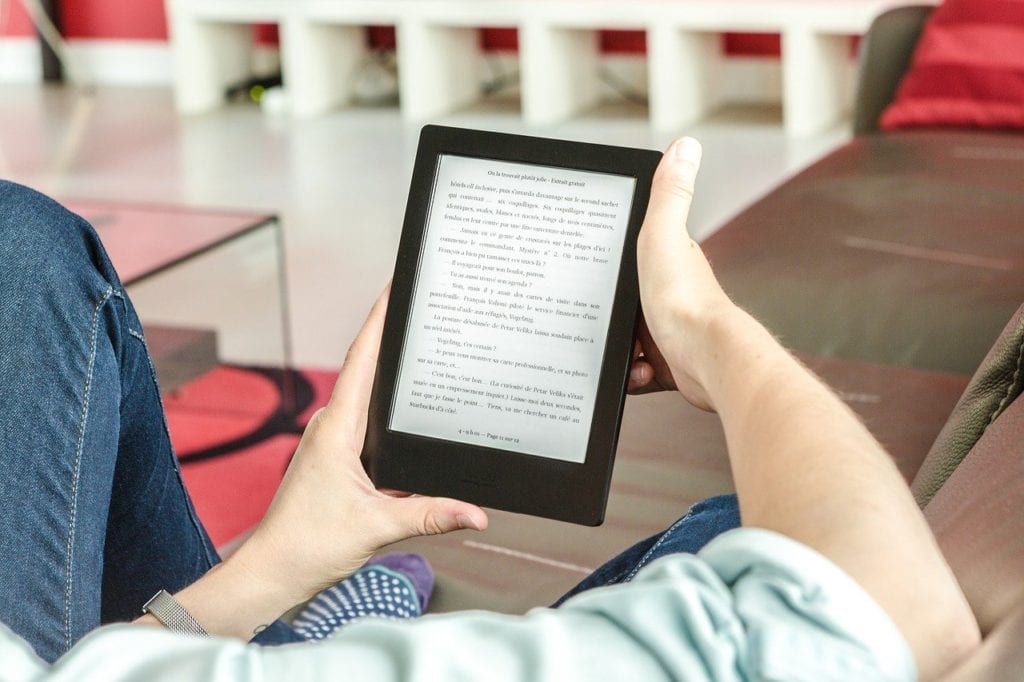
(649, 372)
(327, 518)
(679, 294)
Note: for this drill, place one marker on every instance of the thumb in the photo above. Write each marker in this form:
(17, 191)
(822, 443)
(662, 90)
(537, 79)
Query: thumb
(671, 196)
(435, 515)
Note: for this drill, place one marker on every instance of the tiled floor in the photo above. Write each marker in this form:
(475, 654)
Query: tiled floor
(339, 183)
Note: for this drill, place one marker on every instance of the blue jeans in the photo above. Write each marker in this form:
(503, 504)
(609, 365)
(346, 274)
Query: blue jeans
(94, 518)
(702, 523)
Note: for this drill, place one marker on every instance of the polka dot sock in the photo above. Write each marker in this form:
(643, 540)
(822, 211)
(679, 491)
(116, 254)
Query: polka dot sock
(394, 586)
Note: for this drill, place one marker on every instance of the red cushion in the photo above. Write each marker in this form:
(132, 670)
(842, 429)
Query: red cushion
(967, 70)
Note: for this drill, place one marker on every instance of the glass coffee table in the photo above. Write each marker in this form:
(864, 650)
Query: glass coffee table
(209, 285)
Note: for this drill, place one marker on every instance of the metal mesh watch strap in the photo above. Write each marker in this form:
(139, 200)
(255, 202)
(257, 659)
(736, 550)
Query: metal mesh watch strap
(172, 615)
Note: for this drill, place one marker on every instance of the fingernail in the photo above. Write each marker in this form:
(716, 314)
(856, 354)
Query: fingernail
(636, 375)
(466, 521)
(688, 149)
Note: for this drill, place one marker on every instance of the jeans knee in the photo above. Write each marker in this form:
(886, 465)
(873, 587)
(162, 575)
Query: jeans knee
(42, 241)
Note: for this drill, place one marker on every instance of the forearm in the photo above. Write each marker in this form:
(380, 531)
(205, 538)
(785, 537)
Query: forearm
(795, 447)
(235, 598)
(805, 466)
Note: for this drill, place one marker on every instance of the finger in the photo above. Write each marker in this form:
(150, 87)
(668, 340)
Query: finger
(351, 396)
(649, 382)
(671, 196)
(418, 515)
(640, 374)
(662, 379)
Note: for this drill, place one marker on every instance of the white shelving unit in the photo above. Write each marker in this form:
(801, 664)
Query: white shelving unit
(322, 43)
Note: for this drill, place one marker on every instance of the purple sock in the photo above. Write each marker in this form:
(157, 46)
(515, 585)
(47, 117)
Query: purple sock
(414, 567)
(394, 586)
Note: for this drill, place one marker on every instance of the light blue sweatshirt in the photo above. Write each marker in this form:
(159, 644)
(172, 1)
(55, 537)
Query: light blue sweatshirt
(753, 605)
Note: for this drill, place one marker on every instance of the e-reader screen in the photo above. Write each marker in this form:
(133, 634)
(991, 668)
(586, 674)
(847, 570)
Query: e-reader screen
(511, 306)
(506, 347)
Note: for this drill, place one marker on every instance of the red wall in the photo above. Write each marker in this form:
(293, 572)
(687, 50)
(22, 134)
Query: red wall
(145, 20)
(619, 42)
(134, 19)
(127, 19)
(14, 21)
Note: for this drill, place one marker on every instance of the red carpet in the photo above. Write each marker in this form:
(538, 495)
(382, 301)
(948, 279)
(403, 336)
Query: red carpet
(234, 438)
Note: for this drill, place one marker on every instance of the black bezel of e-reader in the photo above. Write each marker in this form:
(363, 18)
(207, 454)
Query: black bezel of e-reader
(492, 477)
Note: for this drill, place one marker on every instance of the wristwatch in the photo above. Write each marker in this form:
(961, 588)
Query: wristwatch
(172, 615)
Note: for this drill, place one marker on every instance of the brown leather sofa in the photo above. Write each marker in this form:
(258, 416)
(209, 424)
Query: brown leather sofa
(900, 248)
(890, 267)
(971, 485)
(906, 250)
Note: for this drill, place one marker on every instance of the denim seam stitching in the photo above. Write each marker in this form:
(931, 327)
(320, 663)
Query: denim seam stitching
(132, 332)
(194, 519)
(646, 557)
(76, 469)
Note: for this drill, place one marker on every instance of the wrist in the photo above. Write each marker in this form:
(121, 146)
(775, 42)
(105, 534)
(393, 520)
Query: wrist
(230, 601)
(227, 602)
(737, 359)
(268, 569)
(700, 340)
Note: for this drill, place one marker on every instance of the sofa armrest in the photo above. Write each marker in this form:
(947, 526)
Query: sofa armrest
(885, 56)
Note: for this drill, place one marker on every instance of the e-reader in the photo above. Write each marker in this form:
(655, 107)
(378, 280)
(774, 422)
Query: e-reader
(509, 331)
